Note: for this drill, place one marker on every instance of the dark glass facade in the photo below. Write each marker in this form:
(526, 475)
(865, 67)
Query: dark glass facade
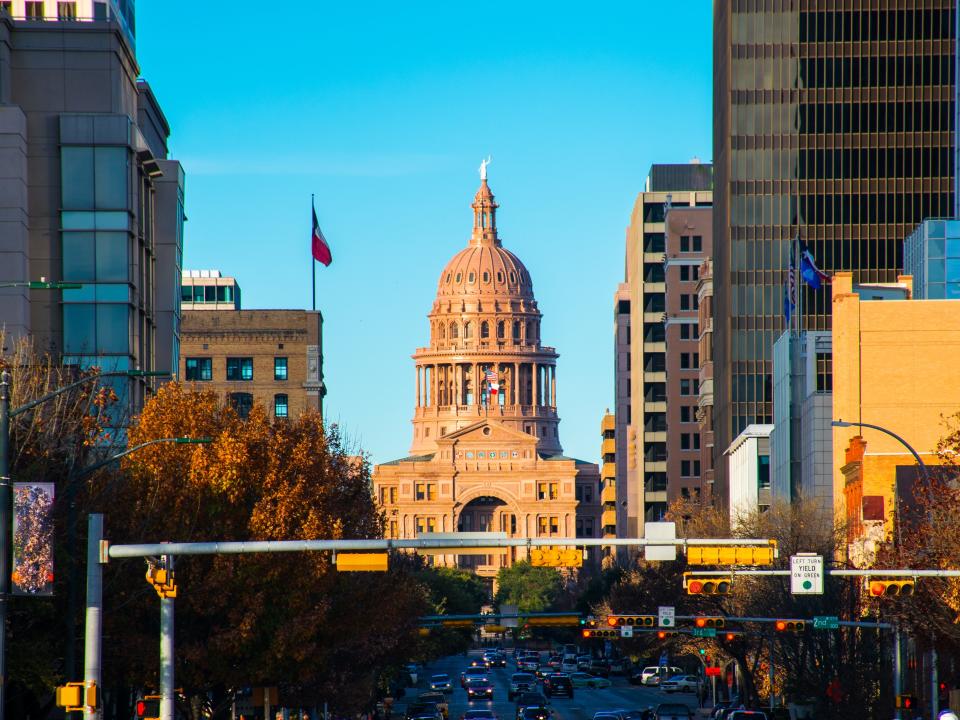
(834, 121)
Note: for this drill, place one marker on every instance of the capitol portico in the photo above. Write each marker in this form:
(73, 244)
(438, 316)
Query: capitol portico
(486, 453)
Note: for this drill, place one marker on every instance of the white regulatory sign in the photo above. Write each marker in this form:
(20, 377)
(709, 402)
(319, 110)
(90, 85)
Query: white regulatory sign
(806, 574)
(667, 616)
(626, 631)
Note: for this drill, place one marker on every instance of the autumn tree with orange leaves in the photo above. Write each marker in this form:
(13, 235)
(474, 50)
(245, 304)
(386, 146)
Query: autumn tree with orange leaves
(289, 620)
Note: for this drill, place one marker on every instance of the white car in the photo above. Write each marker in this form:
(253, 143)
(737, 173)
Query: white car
(681, 683)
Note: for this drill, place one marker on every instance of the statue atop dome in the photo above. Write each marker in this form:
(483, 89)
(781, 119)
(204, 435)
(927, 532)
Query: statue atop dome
(483, 167)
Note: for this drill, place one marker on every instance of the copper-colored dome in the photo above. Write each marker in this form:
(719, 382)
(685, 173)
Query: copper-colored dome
(485, 270)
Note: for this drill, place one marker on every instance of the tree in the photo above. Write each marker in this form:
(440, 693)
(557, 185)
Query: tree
(531, 589)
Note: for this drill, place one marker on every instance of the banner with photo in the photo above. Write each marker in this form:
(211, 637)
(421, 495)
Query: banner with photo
(32, 539)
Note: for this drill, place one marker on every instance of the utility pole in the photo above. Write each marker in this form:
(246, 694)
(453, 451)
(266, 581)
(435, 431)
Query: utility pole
(6, 527)
(166, 647)
(772, 638)
(94, 615)
(897, 680)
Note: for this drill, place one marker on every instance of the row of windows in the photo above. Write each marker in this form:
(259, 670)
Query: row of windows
(850, 164)
(689, 273)
(689, 361)
(870, 25)
(487, 454)
(96, 256)
(691, 243)
(860, 208)
(689, 331)
(689, 301)
(885, 71)
(468, 330)
(206, 293)
(243, 403)
(472, 277)
(690, 468)
(95, 177)
(238, 368)
(689, 441)
(930, 116)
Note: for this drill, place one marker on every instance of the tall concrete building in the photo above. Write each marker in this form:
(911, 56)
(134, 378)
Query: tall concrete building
(87, 193)
(644, 487)
(688, 233)
(486, 453)
(622, 406)
(705, 378)
(832, 121)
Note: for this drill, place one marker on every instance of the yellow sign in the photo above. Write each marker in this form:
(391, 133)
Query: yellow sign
(362, 562)
(495, 628)
(558, 620)
(731, 555)
(555, 557)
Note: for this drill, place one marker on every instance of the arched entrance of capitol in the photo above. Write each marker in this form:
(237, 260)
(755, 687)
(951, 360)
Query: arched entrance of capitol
(487, 513)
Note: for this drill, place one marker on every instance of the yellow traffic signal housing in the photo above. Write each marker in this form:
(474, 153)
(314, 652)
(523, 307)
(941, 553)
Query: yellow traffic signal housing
(710, 622)
(162, 581)
(890, 588)
(663, 634)
(555, 557)
(794, 626)
(70, 696)
(557, 620)
(706, 584)
(362, 562)
(731, 555)
(631, 620)
(607, 634)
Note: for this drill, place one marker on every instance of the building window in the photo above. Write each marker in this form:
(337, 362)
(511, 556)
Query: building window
(279, 368)
(200, 369)
(66, 10)
(587, 494)
(685, 468)
(685, 413)
(684, 272)
(242, 403)
(685, 441)
(186, 293)
(34, 9)
(685, 361)
(454, 331)
(6, 6)
(547, 491)
(684, 332)
(93, 178)
(426, 525)
(468, 330)
(484, 330)
(684, 243)
(500, 330)
(392, 529)
(548, 525)
(686, 387)
(698, 243)
(420, 492)
(239, 368)
(763, 471)
(684, 302)
(280, 405)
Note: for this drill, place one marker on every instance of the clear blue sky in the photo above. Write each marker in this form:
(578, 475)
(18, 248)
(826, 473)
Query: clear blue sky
(384, 110)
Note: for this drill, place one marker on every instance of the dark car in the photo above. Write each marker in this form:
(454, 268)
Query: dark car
(480, 688)
(479, 715)
(673, 711)
(530, 700)
(535, 713)
(520, 683)
(557, 684)
(422, 709)
(599, 667)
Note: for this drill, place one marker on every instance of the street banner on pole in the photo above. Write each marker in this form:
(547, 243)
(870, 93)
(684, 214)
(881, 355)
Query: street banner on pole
(32, 570)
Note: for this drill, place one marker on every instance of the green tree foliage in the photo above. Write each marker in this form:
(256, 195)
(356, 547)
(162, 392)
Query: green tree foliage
(453, 591)
(531, 589)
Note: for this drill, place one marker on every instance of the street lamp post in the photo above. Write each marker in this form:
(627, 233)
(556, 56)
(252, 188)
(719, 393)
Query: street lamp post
(6, 486)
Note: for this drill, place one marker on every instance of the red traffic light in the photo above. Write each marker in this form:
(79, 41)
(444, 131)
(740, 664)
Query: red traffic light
(730, 637)
(586, 633)
(611, 620)
(695, 587)
(701, 622)
(781, 625)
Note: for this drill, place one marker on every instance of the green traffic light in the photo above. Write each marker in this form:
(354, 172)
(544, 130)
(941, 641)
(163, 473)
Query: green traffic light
(703, 651)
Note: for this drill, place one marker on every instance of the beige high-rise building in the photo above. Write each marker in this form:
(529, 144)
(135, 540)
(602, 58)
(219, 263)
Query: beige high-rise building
(486, 453)
(644, 489)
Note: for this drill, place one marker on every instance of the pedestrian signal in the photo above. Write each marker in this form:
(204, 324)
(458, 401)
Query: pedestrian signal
(148, 708)
(890, 588)
(706, 585)
(904, 702)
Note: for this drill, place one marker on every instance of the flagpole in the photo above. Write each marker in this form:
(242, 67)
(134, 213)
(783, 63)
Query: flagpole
(313, 262)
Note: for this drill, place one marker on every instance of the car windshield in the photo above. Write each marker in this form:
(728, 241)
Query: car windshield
(440, 678)
(522, 677)
(535, 712)
(478, 714)
(476, 671)
(477, 682)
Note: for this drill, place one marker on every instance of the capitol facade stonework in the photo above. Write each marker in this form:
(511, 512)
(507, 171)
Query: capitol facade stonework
(486, 453)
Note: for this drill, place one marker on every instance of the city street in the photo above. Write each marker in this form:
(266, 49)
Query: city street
(586, 701)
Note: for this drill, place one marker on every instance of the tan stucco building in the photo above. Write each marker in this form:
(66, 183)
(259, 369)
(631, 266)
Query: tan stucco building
(270, 357)
(486, 453)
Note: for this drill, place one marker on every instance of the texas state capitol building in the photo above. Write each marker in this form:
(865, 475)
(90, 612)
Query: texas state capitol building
(485, 461)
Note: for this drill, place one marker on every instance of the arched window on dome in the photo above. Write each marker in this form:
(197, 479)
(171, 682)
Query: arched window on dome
(531, 330)
(484, 330)
(467, 330)
(454, 330)
(500, 277)
(486, 276)
(471, 278)
(500, 330)
(516, 329)
(443, 331)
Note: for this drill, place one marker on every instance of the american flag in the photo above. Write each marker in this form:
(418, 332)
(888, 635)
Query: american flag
(492, 377)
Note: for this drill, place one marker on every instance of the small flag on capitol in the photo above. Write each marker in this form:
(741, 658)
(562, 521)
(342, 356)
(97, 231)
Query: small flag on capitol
(492, 378)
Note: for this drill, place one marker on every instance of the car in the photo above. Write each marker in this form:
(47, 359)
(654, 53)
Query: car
(599, 667)
(438, 698)
(582, 679)
(747, 715)
(720, 706)
(521, 682)
(480, 662)
(606, 715)
(681, 683)
(530, 700)
(472, 672)
(535, 713)
(441, 682)
(480, 714)
(419, 709)
(557, 684)
(583, 662)
(569, 665)
(645, 714)
(479, 688)
(673, 711)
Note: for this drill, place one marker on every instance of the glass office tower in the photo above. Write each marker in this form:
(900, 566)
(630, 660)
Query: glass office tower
(832, 124)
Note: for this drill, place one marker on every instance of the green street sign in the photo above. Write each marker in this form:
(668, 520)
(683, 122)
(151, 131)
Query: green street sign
(705, 632)
(826, 622)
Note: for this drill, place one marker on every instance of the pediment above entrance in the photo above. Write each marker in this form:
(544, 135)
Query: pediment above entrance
(482, 434)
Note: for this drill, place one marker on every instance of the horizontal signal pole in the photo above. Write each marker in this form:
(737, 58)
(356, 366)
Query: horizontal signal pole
(373, 545)
(842, 573)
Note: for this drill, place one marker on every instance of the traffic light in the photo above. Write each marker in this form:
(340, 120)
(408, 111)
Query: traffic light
(162, 580)
(732, 555)
(710, 622)
(794, 626)
(662, 634)
(555, 557)
(706, 584)
(591, 623)
(731, 637)
(77, 696)
(607, 634)
(148, 708)
(890, 588)
(904, 702)
(632, 620)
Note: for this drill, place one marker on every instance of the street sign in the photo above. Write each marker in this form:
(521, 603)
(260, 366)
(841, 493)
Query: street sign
(660, 531)
(509, 610)
(826, 622)
(806, 574)
(626, 631)
(667, 616)
(705, 632)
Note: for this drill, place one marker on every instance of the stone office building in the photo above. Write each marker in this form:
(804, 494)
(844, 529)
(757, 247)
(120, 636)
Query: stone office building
(269, 357)
(483, 460)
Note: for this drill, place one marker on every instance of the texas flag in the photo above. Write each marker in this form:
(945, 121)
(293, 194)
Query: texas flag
(321, 251)
(493, 385)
